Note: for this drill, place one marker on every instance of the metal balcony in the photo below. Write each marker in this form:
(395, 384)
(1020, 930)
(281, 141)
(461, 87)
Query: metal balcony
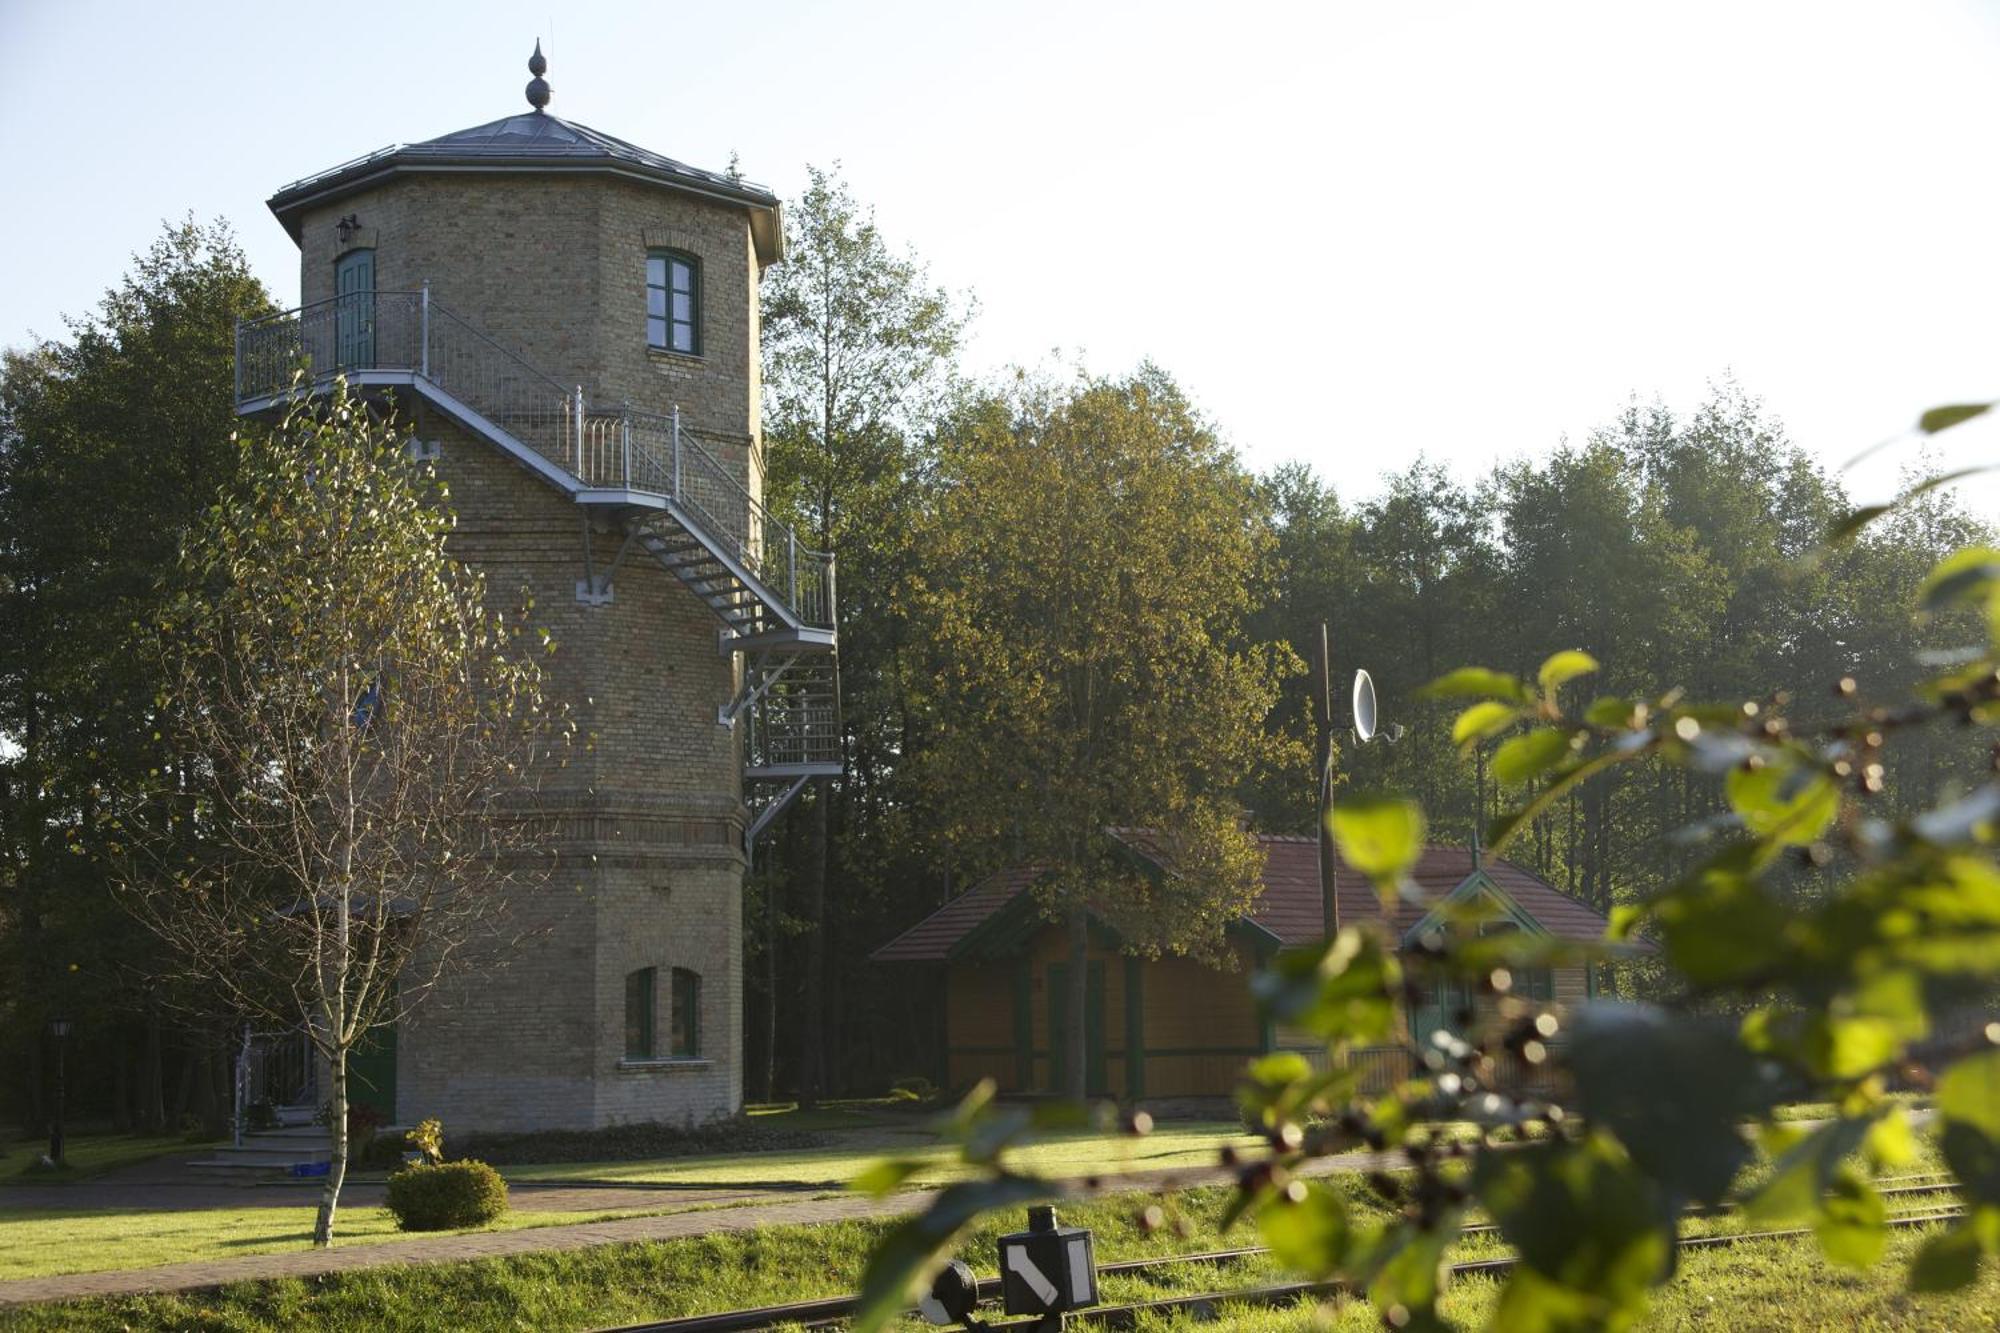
(661, 491)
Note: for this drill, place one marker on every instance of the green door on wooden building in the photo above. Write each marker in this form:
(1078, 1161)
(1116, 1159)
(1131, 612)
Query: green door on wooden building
(1096, 1082)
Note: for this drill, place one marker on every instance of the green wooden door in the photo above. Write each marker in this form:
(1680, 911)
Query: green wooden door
(371, 1072)
(354, 315)
(1096, 1081)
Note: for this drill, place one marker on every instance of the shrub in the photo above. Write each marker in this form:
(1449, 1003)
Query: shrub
(442, 1195)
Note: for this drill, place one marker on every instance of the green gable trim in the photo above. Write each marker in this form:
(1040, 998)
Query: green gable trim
(1135, 1028)
(1473, 885)
(1024, 1028)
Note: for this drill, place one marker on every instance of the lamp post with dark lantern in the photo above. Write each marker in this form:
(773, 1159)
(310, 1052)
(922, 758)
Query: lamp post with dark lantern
(59, 1029)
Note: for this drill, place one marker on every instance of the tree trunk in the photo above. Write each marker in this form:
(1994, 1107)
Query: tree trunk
(152, 1096)
(121, 1083)
(771, 920)
(1074, 1040)
(336, 1174)
(811, 1050)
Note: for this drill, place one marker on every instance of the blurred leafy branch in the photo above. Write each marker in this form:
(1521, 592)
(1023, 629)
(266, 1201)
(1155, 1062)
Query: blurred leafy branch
(1816, 949)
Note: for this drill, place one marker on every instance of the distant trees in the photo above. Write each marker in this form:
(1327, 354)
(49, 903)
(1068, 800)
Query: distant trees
(113, 442)
(859, 351)
(355, 734)
(1677, 551)
(1091, 555)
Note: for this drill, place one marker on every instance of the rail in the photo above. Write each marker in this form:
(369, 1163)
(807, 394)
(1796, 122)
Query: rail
(617, 448)
(834, 1311)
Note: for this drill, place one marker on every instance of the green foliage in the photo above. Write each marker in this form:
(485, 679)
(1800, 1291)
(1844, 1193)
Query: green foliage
(443, 1196)
(1079, 657)
(428, 1139)
(1814, 938)
(113, 440)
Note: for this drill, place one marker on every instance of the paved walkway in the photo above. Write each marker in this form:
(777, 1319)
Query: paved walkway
(794, 1211)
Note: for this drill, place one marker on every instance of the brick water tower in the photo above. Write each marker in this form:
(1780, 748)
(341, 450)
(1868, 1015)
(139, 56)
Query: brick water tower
(568, 324)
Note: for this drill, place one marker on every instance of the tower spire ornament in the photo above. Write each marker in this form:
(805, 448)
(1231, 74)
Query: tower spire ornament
(538, 87)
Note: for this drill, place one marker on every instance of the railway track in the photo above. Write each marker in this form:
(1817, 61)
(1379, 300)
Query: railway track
(833, 1311)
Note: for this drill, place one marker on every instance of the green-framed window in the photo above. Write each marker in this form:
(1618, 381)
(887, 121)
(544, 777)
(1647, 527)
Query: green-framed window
(639, 1014)
(685, 1037)
(673, 302)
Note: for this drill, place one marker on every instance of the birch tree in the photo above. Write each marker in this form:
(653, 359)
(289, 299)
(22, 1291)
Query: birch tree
(360, 732)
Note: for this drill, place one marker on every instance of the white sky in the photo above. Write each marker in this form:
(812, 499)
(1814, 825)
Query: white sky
(1356, 232)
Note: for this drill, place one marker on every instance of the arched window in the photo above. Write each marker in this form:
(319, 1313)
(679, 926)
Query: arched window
(673, 302)
(686, 1018)
(639, 1014)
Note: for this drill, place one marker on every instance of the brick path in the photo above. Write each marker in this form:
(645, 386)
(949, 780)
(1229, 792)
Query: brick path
(196, 1274)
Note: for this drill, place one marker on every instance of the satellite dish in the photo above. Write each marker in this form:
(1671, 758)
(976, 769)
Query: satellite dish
(1364, 706)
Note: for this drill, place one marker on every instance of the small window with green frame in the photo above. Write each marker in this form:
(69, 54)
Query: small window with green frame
(673, 302)
(639, 1014)
(685, 1037)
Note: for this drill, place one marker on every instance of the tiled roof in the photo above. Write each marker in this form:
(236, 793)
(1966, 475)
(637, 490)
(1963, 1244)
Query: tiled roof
(1288, 907)
(532, 141)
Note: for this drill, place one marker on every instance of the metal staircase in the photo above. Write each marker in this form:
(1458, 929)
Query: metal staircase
(643, 475)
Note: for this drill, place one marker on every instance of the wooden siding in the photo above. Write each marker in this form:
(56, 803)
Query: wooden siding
(1197, 1026)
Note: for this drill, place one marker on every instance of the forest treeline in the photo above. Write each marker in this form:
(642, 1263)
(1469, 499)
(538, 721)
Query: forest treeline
(1681, 551)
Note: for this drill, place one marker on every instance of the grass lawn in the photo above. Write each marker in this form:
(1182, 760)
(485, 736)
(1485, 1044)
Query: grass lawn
(1768, 1286)
(47, 1242)
(1174, 1144)
(84, 1156)
(855, 1113)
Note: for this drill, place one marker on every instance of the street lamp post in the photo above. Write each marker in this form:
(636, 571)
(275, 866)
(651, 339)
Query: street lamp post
(59, 1029)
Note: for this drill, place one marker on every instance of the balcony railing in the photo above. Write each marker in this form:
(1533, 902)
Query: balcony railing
(604, 448)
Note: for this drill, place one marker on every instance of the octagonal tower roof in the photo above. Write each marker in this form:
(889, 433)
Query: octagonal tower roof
(534, 142)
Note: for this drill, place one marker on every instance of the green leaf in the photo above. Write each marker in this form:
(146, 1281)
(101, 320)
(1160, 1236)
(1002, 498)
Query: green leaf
(1476, 683)
(902, 1262)
(1804, 1172)
(1528, 756)
(1563, 667)
(1379, 836)
(1483, 721)
(1309, 1236)
(1970, 1092)
(1944, 418)
(1674, 1088)
(1966, 575)
(1611, 711)
(1719, 926)
(1345, 993)
(1581, 1215)
(1852, 1223)
(1780, 803)
(1968, 1100)
(883, 1177)
(1947, 1261)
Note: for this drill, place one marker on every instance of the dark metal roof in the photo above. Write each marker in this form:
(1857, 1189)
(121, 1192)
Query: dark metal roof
(533, 141)
(1289, 905)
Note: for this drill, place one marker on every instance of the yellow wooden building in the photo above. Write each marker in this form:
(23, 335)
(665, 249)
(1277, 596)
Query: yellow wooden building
(1173, 1027)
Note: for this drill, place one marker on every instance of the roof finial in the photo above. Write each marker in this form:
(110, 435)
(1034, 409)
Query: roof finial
(538, 87)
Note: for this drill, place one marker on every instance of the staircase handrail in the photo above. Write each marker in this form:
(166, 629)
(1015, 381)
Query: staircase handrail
(680, 469)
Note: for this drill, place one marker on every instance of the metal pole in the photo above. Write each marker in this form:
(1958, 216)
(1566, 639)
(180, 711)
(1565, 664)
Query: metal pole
(56, 1129)
(792, 560)
(677, 451)
(625, 440)
(424, 331)
(576, 411)
(1329, 865)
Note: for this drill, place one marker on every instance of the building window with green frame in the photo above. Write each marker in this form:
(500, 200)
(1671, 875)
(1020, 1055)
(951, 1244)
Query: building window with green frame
(685, 1036)
(639, 1014)
(673, 302)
